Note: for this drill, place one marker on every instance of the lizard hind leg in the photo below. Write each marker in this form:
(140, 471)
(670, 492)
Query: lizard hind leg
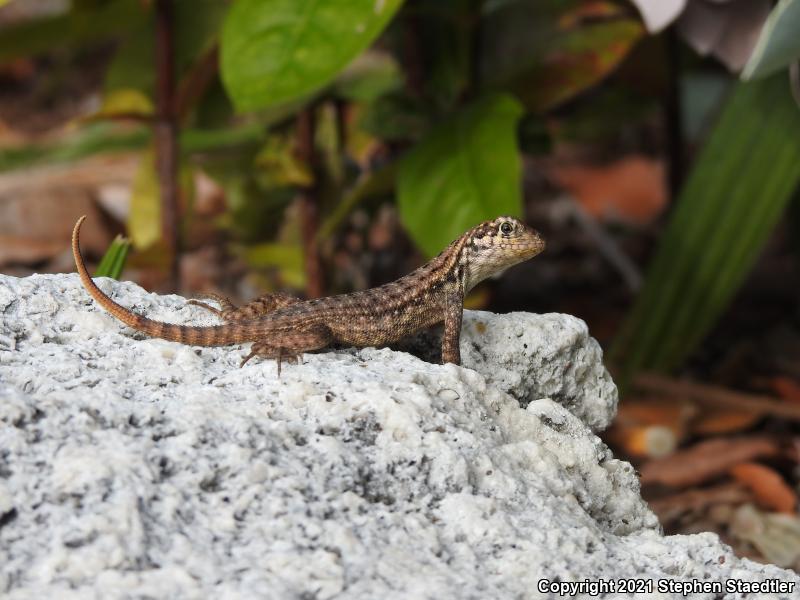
(291, 345)
(252, 310)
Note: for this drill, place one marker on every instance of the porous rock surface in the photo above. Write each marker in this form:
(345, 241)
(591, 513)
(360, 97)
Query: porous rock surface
(133, 467)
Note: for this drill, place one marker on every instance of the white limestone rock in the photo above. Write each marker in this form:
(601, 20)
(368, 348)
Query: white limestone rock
(139, 467)
(541, 356)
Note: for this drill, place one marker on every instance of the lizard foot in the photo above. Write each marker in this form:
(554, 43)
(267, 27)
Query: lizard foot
(267, 351)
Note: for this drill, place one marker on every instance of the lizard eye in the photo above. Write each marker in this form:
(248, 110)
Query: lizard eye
(506, 228)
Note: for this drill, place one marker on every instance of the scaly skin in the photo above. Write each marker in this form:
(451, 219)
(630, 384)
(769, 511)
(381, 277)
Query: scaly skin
(284, 327)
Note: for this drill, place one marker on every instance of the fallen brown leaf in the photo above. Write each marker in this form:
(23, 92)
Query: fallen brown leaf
(632, 189)
(706, 460)
(768, 487)
(787, 388)
(714, 422)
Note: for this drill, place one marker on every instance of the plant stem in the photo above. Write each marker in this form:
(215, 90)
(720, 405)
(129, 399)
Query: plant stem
(309, 205)
(165, 133)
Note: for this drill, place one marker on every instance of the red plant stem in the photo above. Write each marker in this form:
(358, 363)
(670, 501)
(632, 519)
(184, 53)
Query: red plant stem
(165, 132)
(309, 206)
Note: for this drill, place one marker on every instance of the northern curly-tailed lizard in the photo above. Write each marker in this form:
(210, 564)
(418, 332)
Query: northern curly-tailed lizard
(283, 327)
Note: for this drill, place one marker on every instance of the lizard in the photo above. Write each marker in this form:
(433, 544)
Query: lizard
(283, 327)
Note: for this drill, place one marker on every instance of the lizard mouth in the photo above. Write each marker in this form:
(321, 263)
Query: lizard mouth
(529, 248)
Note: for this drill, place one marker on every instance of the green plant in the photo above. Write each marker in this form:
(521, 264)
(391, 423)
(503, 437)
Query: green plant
(778, 45)
(113, 260)
(738, 188)
(747, 174)
(281, 97)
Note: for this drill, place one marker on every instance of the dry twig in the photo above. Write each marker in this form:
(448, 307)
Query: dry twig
(716, 396)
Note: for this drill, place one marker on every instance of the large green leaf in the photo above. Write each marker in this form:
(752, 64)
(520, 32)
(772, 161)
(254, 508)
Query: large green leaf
(466, 170)
(737, 190)
(278, 50)
(779, 42)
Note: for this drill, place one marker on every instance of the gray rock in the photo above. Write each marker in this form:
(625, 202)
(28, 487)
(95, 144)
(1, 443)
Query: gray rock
(134, 467)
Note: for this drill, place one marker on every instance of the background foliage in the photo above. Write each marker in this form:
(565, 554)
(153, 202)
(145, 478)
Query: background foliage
(354, 103)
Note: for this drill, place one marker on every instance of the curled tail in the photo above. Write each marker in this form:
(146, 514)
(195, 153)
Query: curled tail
(219, 335)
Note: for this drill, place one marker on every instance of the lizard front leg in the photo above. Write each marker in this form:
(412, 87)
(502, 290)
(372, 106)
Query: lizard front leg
(453, 311)
(291, 345)
(252, 310)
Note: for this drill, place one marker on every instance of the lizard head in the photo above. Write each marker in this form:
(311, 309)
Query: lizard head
(493, 246)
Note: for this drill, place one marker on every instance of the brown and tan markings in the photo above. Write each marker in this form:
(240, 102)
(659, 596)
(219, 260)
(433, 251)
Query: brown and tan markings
(283, 327)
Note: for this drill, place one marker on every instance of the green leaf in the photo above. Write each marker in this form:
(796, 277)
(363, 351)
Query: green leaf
(273, 52)
(396, 117)
(144, 222)
(465, 171)
(113, 260)
(287, 258)
(133, 65)
(206, 140)
(198, 26)
(277, 165)
(75, 28)
(549, 52)
(447, 37)
(779, 42)
(124, 101)
(379, 182)
(96, 138)
(107, 138)
(737, 190)
(369, 76)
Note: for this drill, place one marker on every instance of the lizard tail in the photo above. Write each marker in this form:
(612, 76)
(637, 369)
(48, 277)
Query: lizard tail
(219, 335)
